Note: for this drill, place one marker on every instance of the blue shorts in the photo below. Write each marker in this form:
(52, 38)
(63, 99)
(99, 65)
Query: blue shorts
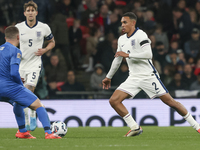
(17, 93)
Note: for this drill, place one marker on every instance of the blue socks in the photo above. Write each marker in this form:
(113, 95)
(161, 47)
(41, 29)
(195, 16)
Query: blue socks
(19, 115)
(44, 119)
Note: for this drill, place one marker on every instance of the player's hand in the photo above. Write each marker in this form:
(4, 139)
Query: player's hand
(106, 83)
(122, 54)
(40, 52)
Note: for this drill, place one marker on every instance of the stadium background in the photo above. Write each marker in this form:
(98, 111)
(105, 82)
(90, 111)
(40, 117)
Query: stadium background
(92, 46)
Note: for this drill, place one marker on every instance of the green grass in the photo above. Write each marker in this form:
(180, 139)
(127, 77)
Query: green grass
(106, 138)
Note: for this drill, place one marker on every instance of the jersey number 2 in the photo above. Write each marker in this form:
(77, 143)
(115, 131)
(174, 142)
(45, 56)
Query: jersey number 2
(30, 42)
(155, 86)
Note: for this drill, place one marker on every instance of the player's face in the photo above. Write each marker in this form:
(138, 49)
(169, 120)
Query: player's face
(30, 14)
(128, 25)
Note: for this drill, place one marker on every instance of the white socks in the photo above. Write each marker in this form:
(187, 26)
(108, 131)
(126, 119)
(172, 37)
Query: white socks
(188, 117)
(33, 113)
(130, 122)
(26, 112)
(133, 125)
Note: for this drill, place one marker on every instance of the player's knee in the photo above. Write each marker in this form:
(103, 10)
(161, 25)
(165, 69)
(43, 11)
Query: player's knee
(113, 101)
(30, 87)
(36, 104)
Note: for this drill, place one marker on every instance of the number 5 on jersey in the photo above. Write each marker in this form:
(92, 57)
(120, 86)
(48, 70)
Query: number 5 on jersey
(30, 42)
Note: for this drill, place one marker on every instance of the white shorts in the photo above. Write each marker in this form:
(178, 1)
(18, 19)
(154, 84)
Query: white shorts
(153, 86)
(31, 77)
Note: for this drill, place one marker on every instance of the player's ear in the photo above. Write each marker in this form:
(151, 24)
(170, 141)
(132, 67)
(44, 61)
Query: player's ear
(134, 22)
(24, 13)
(36, 13)
(17, 36)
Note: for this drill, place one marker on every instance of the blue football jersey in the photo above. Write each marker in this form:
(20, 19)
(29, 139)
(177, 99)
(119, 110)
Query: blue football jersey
(9, 54)
(10, 91)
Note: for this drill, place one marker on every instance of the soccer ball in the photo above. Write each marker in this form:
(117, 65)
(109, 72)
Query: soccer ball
(59, 128)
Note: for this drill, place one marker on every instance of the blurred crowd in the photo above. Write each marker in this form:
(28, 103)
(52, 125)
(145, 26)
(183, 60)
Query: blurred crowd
(86, 33)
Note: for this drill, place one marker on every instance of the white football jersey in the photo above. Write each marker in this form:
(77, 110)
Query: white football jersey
(31, 39)
(140, 55)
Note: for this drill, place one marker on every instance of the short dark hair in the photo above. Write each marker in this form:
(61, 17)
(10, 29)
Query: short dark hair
(131, 15)
(30, 4)
(11, 32)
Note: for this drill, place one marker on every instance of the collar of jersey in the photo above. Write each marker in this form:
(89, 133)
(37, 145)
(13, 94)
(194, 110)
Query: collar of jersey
(8, 43)
(133, 33)
(32, 26)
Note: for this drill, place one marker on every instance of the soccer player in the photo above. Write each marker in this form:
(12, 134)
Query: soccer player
(12, 89)
(32, 34)
(134, 45)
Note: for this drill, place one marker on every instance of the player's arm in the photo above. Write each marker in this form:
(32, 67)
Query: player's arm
(144, 54)
(14, 72)
(14, 66)
(116, 62)
(114, 67)
(50, 45)
(145, 48)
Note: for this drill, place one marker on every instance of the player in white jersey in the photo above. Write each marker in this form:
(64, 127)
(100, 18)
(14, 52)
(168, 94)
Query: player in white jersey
(134, 45)
(32, 35)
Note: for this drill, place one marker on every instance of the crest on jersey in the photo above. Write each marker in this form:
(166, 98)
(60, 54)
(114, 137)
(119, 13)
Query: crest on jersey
(39, 34)
(1, 48)
(19, 55)
(133, 43)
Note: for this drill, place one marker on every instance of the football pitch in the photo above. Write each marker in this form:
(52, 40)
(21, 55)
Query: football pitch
(106, 138)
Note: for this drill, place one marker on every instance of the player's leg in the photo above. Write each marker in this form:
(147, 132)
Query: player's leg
(116, 102)
(44, 119)
(19, 115)
(33, 122)
(24, 75)
(155, 88)
(26, 98)
(167, 99)
(27, 122)
(32, 78)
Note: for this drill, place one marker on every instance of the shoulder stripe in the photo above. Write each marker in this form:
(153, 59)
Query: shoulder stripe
(144, 42)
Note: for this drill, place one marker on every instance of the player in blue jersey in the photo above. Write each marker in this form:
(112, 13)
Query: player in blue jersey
(134, 45)
(12, 89)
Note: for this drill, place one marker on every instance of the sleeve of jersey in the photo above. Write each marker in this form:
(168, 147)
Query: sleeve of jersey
(115, 64)
(114, 67)
(48, 35)
(16, 57)
(146, 52)
(14, 72)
